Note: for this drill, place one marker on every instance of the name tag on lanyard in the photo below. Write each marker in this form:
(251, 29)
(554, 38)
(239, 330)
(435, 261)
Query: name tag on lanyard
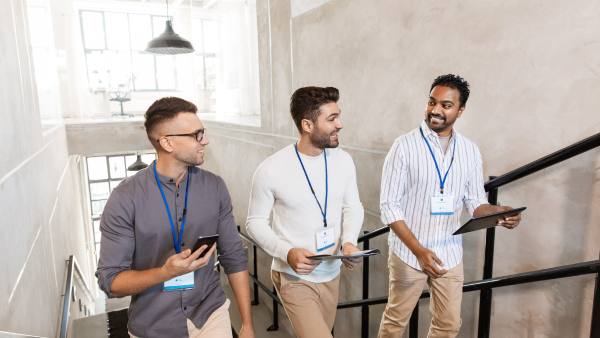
(325, 238)
(183, 282)
(442, 204)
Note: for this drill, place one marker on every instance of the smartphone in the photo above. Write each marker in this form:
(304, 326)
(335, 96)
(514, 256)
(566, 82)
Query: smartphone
(205, 240)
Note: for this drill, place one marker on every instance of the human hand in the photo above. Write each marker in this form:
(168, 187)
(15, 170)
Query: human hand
(298, 260)
(347, 250)
(508, 222)
(187, 261)
(430, 263)
(247, 331)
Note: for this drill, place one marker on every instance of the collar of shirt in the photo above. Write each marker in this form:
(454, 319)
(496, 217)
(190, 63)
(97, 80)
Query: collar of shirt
(433, 136)
(168, 182)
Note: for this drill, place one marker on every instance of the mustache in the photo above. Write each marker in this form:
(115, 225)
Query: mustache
(441, 117)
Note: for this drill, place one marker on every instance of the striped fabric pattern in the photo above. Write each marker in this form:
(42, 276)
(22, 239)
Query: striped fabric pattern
(410, 179)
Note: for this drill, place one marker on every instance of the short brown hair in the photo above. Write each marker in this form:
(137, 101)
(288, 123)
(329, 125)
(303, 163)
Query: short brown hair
(166, 109)
(306, 101)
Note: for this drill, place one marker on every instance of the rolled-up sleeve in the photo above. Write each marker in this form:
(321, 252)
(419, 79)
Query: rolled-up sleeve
(393, 185)
(475, 193)
(117, 243)
(232, 254)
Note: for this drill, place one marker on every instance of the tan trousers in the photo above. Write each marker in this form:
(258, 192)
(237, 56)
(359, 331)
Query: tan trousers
(310, 306)
(218, 325)
(407, 284)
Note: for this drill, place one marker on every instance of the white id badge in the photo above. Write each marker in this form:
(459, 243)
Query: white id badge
(325, 239)
(442, 204)
(183, 282)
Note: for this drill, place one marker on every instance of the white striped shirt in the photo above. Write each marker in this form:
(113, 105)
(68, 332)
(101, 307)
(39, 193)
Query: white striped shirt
(409, 181)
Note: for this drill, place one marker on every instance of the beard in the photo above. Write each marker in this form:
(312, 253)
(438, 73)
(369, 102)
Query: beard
(324, 140)
(437, 122)
(191, 159)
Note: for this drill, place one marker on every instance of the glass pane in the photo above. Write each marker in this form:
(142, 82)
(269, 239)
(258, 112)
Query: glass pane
(93, 30)
(148, 158)
(98, 207)
(97, 169)
(97, 233)
(117, 31)
(97, 70)
(165, 72)
(129, 161)
(99, 191)
(117, 167)
(212, 68)
(210, 36)
(119, 69)
(114, 184)
(143, 71)
(140, 30)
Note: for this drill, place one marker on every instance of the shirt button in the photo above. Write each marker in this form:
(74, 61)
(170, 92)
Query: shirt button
(184, 308)
(177, 194)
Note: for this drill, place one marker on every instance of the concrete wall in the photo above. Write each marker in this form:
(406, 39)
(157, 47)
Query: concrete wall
(42, 215)
(534, 72)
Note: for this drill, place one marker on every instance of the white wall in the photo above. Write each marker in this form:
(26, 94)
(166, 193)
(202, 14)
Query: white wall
(533, 68)
(42, 218)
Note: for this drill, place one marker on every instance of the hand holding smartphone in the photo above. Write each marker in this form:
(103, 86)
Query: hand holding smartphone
(205, 240)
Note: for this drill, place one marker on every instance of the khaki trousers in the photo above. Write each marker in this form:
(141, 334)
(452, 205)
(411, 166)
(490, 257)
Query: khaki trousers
(310, 306)
(406, 286)
(218, 325)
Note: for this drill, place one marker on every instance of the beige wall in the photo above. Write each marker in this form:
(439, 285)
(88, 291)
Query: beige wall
(534, 73)
(42, 216)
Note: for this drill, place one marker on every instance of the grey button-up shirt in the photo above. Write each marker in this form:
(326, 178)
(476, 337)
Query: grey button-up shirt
(136, 235)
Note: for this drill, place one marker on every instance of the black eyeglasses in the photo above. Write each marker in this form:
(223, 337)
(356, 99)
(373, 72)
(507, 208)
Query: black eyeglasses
(198, 135)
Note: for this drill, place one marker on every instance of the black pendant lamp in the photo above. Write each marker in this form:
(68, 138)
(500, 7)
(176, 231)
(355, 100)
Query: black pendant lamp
(169, 42)
(137, 165)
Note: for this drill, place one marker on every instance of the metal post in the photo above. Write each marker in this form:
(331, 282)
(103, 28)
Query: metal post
(413, 326)
(365, 293)
(595, 325)
(255, 274)
(485, 297)
(275, 325)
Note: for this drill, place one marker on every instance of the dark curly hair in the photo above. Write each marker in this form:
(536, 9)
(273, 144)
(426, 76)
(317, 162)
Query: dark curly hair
(305, 102)
(456, 82)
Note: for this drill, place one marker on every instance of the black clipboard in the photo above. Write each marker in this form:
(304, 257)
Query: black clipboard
(488, 221)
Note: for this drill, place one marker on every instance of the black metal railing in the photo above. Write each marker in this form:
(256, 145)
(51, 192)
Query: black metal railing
(68, 297)
(484, 285)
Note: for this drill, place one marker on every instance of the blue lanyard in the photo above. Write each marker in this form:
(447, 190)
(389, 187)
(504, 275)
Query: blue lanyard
(437, 168)
(323, 211)
(177, 240)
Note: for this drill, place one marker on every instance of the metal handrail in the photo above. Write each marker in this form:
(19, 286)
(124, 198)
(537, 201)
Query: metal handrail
(72, 266)
(488, 282)
(564, 271)
(544, 162)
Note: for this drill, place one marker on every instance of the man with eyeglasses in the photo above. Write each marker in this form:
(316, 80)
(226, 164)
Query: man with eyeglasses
(151, 221)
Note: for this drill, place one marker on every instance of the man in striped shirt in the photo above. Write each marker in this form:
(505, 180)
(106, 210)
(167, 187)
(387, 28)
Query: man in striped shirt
(429, 174)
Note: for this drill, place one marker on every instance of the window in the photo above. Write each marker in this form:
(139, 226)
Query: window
(114, 46)
(45, 60)
(104, 174)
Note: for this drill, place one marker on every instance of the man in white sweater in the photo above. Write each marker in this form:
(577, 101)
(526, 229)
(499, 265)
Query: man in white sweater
(310, 188)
